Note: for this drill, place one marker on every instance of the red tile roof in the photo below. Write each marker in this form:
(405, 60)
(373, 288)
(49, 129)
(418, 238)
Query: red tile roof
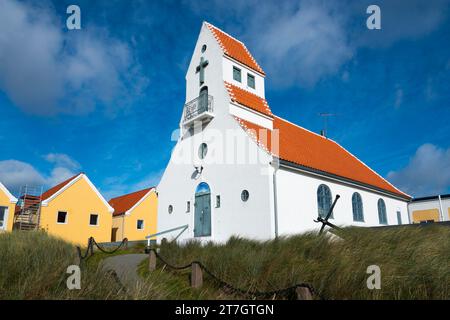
(248, 99)
(123, 203)
(50, 192)
(302, 147)
(234, 48)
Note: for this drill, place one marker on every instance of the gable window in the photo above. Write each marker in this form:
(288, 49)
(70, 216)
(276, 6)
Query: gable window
(382, 217)
(237, 74)
(324, 200)
(140, 224)
(251, 80)
(357, 206)
(93, 220)
(217, 201)
(188, 206)
(2, 217)
(62, 217)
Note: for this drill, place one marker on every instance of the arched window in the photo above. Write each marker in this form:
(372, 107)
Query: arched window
(324, 200)
(382, 217)
(357, 205)
(203, 100)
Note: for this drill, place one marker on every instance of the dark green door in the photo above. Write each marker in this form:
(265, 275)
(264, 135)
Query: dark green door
(202, 227)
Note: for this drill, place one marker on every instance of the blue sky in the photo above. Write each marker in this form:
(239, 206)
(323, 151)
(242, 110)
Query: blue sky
(105, 99)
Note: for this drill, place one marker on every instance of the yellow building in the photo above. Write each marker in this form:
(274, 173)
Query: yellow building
(7, 207)
(75, 210)
(135, 215)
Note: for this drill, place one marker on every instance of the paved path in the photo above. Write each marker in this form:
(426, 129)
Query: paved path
(125, 266)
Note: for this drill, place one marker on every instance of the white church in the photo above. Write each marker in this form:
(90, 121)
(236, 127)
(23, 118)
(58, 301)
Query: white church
(238, 169)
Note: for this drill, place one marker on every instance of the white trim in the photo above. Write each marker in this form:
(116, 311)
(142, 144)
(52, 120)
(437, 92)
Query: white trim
(68, 185)
(128, 212)
(12, 199)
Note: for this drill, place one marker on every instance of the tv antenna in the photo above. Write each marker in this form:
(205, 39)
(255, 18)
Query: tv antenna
(325, 116)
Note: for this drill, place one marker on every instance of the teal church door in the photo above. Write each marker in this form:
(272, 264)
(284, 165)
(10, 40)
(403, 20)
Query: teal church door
(202, 227)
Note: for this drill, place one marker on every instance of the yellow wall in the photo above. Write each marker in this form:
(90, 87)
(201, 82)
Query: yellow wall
(147, 210)
(79, 200)
(422, 215)
(5, 202)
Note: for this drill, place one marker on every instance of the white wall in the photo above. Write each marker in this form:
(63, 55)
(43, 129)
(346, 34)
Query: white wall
(431, 204)
(297, 203)
(227, 65)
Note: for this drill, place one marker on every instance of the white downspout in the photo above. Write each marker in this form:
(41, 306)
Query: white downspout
(275, 204)
(441, 211)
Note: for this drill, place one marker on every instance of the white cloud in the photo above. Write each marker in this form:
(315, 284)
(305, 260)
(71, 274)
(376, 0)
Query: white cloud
(15, 174)
(46, 71)
(427, 173)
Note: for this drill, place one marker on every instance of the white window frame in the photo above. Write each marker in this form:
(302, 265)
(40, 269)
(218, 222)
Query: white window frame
(5, 218)
(98, 218)
(143, 224)
(67, 217)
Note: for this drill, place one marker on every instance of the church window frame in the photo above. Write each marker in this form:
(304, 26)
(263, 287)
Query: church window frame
(324, 200)
(245, 195)
(382, 215)
(251, 81)
(357, 207)
(237, 74)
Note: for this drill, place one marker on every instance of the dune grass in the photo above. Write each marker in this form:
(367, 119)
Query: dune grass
(414, 262)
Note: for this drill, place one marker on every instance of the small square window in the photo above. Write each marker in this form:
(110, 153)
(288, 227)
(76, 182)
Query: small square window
(217, 201)
(251, 80)
(237, 74)
(140, 224)
(62, 217)
(188, 206)
(93, 220)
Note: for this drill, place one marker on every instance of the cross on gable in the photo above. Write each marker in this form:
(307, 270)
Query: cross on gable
(201, 68)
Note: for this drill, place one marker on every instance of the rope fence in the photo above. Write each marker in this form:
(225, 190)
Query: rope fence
(90, 249)
(304, 291)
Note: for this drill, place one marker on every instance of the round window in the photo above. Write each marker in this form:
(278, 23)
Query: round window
(170, 209)
(245, 195)
(202, 150)
(204, 48)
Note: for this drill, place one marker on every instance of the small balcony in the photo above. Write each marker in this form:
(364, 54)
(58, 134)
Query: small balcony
(198, 110)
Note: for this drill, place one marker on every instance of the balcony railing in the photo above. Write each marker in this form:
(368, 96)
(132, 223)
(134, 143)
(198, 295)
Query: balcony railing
(198, 109)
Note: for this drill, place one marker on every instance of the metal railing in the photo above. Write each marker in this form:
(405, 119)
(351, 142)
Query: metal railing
(182, 228)
(194, 108)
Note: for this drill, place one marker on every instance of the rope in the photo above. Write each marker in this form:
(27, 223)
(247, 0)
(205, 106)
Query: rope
(90, 249)
(223, 283)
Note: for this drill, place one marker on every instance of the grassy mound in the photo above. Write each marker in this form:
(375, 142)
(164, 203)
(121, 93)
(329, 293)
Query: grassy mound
(33, 265)
(414, 262)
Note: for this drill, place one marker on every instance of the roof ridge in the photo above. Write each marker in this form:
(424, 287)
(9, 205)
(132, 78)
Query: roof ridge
(229, 86)
(51, 191)
(213, 26)
(131, 193)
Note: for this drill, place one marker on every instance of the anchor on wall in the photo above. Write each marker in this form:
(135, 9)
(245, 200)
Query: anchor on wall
(325, 221)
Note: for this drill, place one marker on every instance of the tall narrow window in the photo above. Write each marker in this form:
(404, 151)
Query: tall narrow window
(237, 74)
(399, 217)
(62, 217)
(324, 200)
(382, 217)
(217, 201)
(93, 220)
(251, 80)
(188, 206)
(357, 205)
(2, 217)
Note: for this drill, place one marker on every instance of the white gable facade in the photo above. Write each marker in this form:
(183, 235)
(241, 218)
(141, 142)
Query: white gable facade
(222, 181)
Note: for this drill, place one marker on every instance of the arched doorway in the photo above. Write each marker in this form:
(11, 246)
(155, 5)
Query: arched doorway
(202, 215)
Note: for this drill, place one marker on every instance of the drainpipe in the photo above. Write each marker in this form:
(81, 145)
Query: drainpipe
(441, 211)
(275, 164)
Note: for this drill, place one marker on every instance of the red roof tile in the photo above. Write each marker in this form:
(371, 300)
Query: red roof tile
(123, 203)
(234, 48)
(300, 146)
(248, 99)
(50, 192)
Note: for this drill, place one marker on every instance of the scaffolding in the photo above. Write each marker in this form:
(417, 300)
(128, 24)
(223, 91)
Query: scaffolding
(28, 208)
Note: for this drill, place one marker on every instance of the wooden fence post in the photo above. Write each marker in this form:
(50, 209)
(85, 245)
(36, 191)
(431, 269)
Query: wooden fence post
(151, 260)
(196, 276)
(303, 293)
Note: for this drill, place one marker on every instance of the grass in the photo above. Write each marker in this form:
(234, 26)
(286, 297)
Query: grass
(414, 264)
